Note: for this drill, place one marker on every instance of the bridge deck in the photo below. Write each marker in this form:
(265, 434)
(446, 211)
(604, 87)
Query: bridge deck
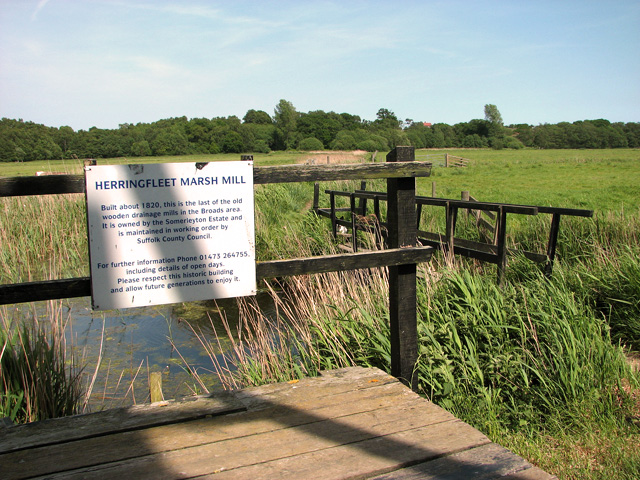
(349, 423)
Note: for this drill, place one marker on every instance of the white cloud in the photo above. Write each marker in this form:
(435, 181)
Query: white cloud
(39, 7)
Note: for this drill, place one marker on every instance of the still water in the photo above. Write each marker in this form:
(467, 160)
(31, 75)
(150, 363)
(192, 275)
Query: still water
(120, 348)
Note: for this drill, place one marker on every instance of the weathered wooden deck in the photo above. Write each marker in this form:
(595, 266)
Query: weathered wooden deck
(350, 423)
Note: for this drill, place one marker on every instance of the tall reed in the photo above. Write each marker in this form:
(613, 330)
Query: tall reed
(38, 375)
(32, 248)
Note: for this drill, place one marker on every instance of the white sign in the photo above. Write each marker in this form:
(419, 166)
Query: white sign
(172, 232)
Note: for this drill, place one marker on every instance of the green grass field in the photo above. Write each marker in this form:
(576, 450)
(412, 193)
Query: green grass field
(602, 180)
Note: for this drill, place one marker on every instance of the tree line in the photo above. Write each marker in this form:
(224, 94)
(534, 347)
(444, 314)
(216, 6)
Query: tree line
(286, 129)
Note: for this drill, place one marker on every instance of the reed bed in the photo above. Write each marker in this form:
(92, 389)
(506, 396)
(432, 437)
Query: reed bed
(32, 249)
(39, 376)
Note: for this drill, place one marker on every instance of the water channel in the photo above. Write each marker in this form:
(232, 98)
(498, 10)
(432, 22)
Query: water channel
(122, 347)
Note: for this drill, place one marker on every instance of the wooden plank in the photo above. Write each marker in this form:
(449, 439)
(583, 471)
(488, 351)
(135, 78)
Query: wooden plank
(479, 250)
(279, 412)
(44, 185)
(481, 222)
(347, 423)
(485, 206)
(363, 444)
(533, 473)
(341, 262)
(81, 287)
(364, 458)
(76, 427)
(327, 385)
(486, 462)
(321, 173)
(45, 290)
(61, 184)
(576, 212)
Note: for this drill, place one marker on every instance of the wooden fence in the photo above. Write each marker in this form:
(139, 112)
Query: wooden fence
(495, 252)
(449, 160)
(402, 256)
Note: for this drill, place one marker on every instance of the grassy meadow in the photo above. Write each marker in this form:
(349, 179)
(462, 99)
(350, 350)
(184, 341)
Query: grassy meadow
(541, 366)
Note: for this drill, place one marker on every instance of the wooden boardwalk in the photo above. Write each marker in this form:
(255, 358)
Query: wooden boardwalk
(349, 423)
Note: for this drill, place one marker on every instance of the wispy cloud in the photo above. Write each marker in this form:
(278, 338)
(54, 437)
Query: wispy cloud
(39, 7)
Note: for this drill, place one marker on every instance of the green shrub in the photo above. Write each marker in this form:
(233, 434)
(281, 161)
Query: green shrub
(310, 143)
(232, 143)
(512, 143)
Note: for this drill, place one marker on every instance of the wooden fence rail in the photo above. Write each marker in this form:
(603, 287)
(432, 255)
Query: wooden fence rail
(495, 252)
(402, 257)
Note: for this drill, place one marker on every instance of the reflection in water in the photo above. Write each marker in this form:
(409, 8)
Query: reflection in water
(139, 341)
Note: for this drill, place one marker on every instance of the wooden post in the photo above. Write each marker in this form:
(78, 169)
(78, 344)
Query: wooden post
(446, 160)
(451, 212)
(362, 205)
(551, 245)
(401, 221)
(502, 243)
(433, 189)
(354, 223)
(464, 196)
(316, 196)
(155, 387)
(334, 225)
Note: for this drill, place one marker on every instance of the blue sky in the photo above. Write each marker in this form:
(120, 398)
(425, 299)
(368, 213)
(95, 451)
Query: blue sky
(102, 63)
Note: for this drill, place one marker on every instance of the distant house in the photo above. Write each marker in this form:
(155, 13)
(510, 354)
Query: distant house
(427, 124)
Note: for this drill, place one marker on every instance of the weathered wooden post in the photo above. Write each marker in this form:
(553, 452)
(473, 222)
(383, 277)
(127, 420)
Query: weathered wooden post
(155, 387)
(464, 196)
(552, 243)
(502, 242)
(401, 222)
(316, 196)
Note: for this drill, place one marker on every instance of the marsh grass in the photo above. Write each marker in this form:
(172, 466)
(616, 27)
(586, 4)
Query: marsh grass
(33, 250)
(39, 378)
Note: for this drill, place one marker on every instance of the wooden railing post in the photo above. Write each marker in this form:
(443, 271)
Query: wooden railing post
(401, 222)
(316, 196)
(552, 243)
(502, 243)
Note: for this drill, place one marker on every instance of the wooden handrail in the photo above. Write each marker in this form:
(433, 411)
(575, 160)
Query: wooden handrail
(61, 184)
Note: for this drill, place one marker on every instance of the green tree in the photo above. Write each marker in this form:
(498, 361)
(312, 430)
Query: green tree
(64, 138)
(232, 143)
(321, 125)
(492, 114)
(344, 141)
(171, 141)
(496, 127)
(286, 118)
(257, 116)
(310, 143)
(141, 149)
(387, 119)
